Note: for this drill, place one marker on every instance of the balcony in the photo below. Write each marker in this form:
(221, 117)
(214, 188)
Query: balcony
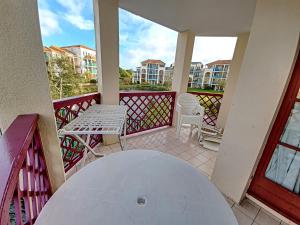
(149, 135)
(34, 160)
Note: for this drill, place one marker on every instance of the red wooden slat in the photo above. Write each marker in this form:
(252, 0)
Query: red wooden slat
(65, 111)
(17, 148)
(148, 110)
(212, 103)
(289, 146)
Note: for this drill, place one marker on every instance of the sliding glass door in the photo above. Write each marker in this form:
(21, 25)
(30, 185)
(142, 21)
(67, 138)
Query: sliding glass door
(284, 167)
(277, 178)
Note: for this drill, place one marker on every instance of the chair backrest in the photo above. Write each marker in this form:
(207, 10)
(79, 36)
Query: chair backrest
(188, 103)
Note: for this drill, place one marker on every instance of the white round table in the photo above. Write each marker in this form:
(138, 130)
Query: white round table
(137, 187)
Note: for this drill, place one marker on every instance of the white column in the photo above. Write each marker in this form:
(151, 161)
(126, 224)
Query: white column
(24, 87)
(107, 44)
(183, 57)
(203, 79)
(106, 14)
(264, 75)
(232, 79)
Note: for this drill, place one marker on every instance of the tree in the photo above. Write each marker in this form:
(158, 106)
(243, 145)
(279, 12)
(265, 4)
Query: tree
(221, 84)
(63, 79)
(125, 76)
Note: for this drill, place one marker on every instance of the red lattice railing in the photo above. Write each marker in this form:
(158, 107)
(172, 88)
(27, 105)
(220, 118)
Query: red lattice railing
(24, 182)
(65, 111)
(148, 110)
(212, 103)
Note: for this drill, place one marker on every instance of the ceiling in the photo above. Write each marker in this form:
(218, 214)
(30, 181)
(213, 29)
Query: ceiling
(204, 17)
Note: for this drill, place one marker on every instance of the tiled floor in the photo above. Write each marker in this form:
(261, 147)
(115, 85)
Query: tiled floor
(187, 148)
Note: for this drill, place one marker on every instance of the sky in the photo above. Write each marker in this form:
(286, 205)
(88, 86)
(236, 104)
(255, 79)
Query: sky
(71, 22)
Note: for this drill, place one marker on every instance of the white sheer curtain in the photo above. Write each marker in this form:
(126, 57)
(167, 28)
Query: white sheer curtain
(284, 167)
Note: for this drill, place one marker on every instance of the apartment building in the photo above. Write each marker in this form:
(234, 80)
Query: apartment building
(213, 74)
(82, 57)
(151, 71)
(196, 73)
(86, 60)
(57, 52)
(169, 73)
(219, 72)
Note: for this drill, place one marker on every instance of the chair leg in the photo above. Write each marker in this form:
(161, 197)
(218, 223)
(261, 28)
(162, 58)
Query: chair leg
(178, 128)
(199, 131)
(191, 129)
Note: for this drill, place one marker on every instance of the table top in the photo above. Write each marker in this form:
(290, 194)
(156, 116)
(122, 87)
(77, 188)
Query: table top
(137, 187)
(98, 119)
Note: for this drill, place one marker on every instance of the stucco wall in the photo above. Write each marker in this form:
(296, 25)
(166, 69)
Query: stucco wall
(24, 85)
(265, 71)
(232, 79)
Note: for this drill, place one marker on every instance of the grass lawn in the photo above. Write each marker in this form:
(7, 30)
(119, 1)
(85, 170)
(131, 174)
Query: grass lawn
(203, 90)
(88, 88)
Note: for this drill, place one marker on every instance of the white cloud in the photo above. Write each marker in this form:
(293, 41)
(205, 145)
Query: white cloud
(141, 39)
(80, 22)
(208, 49)
(155, 43)
(49, 22)
(74, 13)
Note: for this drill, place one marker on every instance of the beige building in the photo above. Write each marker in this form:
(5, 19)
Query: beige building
(86, 59)
(257, 165)
(218, 71)
(57, 52)
(151, 71)
(82, 57)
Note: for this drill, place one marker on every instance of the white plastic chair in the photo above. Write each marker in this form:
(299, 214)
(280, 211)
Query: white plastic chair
(189, 111)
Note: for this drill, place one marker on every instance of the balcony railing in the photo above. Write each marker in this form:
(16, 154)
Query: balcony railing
(148, 110)
(65, 111)
(24, 181)
(212, 103)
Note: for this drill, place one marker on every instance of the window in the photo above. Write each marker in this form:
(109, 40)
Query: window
(152, 71)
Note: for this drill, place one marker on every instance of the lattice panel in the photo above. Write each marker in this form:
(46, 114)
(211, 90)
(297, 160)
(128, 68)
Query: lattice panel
(67, 110)
(148, 110)
(212, 103)
(33, 187)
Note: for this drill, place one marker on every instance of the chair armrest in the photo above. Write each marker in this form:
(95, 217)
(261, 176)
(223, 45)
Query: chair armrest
(199, 110)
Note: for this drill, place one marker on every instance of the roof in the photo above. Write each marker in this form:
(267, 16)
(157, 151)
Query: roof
(153, 61)
(46, 49)
(57, 50)
(218, 62)
(78, 46)
(194, 63)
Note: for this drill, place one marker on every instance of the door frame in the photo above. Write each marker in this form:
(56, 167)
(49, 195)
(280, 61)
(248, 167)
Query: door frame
(270, 193)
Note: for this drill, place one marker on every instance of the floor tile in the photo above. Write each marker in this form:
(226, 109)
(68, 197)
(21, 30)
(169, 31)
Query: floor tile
(185, 156)
(229, 201)
(241, 217)
(248, 208)
(264, 218)
(202, 158)
(205, 168)
(195, 162)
